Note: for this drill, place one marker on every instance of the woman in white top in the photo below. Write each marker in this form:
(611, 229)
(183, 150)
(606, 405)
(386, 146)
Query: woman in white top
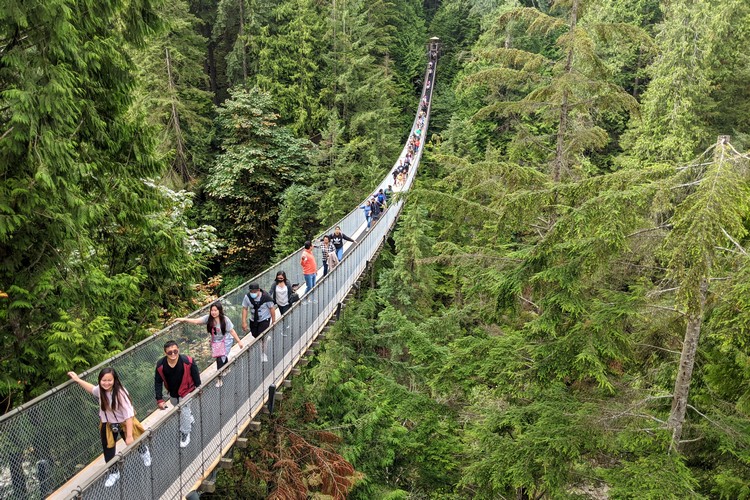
(116, 417)
(282, 294)
(217, 326)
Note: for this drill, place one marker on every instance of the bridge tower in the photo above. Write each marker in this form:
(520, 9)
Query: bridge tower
(434, 48)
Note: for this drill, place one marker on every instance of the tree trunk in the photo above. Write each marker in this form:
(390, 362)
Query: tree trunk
(180, 160)
(242, 41)
(211, 71)
(685, 372)
(560, 163)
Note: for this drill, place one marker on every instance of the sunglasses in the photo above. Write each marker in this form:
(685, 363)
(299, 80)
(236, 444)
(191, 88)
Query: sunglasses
(172, 351)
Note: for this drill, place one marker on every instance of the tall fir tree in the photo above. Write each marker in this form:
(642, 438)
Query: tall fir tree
(259, 159)
(83, 263)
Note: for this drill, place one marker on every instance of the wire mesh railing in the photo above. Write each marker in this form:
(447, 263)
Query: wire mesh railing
(47, 441)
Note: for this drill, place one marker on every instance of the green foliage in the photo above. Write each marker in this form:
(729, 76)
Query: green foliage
(553, 96)
(288, 63)
(259, 160)
(297, 221)
(171, 92)
(89, 250)
(529, 450)
(684, 104)
(653, 477)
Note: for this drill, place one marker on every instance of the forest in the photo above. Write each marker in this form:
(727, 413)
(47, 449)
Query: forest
(561, 311)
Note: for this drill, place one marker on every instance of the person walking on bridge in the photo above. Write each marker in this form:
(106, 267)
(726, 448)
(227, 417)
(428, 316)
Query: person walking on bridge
(309, 267)
(338, 238)
(330, 259)
(116, 417)
(264, 313)
(220, 330)
(179, 374)
(282, 294)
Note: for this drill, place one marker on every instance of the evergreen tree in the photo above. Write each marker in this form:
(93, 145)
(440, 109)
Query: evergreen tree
(87, 262)
(569, 87)
(680, 107)
(289, 62)
(259, 160)
(172, 91)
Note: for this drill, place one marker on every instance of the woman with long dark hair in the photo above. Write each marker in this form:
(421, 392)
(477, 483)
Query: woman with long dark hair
(116, 417)
(217, 326)
(282, 294)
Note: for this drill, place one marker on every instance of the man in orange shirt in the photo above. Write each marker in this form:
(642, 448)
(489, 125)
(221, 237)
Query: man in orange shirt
(309, 267)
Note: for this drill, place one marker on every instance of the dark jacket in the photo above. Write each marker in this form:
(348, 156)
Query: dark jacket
(376, 209)
(191, 377)
(338, 241)
(272, 292)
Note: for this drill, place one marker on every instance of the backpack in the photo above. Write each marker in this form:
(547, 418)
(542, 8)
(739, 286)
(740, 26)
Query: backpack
(264, 298)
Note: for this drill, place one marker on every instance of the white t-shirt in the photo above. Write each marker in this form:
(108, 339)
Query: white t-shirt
(282, 294)
(124, 407)
(228, 339)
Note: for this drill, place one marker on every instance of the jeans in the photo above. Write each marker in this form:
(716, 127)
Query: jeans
(186, 416)
(340, 253)
(325, 267)
(310, 281)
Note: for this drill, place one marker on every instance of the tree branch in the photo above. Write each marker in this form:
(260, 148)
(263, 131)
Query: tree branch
(657, 347)
(739, 247)
(663, 226)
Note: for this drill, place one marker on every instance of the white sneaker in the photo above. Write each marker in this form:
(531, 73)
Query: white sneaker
(146, 457)
(265, 358)
(219, 383)
(112, 479)
(184, 439)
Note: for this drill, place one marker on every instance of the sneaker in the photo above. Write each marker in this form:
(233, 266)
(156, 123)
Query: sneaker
(112, 479)
(219, 383)
(265, 358)
(146, 457)
(184, 439)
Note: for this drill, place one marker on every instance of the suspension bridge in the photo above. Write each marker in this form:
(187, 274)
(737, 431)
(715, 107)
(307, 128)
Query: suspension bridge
(49, 447)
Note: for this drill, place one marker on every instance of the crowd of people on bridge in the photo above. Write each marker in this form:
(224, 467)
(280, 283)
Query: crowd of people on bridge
(178, 374)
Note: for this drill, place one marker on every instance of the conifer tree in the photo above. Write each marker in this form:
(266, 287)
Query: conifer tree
(78, 224)
(289, 61)
(259, 160)
(172, 91)
(568, 92)
(715, 210)
(681, 103)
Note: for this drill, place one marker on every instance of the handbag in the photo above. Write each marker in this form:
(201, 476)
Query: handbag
(293, 297)
(218, 349)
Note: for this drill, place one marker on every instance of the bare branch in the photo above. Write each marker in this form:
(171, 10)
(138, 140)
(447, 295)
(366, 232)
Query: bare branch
(670, 309)
(6, 133)
(664, 290)
(687, 184)
(739, 247)
(663, 226)
(690, 440)
(657, 347)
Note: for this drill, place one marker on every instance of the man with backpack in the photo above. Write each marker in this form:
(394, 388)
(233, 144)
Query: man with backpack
(263, 314)
(179, 375)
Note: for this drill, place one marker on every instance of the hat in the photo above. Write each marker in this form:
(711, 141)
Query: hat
(254, 286)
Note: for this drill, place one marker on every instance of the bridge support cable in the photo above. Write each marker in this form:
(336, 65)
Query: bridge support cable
(54, 433)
